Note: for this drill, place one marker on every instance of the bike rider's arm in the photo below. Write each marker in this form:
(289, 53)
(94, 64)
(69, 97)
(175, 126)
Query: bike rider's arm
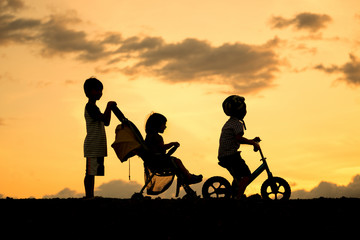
(243, 140)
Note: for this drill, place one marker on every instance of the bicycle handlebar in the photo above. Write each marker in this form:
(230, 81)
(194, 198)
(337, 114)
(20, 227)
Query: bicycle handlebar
(257, 139)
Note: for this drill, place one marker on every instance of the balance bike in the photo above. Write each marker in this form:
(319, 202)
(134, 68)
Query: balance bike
(273, 188)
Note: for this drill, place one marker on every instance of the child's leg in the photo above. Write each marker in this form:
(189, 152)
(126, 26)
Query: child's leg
(184, 173)
(94, 167)
(241, 174)
(89, 183)
(182, 169)
(242, 184)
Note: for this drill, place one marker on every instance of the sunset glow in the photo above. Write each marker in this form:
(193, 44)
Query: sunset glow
(297, 63)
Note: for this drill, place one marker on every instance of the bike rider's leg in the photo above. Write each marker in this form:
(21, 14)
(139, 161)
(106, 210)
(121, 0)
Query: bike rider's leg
(241, 186)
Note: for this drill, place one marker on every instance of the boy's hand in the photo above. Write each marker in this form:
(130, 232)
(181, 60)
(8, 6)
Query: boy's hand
(107, 114)
(256, 146)
(175, 144)
(111, 104)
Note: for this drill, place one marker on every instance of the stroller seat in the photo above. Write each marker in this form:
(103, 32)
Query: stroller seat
(158, 173)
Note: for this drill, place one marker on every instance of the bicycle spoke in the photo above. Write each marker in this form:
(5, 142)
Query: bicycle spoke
(216, 189)
(212, 192)
(275, 189)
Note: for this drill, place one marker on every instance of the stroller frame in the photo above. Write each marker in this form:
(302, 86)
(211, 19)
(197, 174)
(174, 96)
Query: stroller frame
(190, 193)
(155, 171)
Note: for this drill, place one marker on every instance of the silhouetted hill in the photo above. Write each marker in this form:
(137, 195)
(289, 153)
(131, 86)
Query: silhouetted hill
(179, 219)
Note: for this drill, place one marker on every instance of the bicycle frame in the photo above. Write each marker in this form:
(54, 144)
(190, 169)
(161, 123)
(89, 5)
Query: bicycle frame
(274, 188)
(261, 168)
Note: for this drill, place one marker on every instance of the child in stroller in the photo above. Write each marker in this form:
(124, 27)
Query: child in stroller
(156, 124)
(160, 168)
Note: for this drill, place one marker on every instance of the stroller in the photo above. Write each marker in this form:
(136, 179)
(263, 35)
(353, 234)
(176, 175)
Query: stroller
(158, 176)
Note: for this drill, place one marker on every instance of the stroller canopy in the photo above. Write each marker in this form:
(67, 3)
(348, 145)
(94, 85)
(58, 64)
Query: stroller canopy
(126, 142)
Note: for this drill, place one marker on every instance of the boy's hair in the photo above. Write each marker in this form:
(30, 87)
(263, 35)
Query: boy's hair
(154, 123)
(92, 83)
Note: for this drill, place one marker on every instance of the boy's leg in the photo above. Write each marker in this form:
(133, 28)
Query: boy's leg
(241, 174)
(89, 183)
(94, 167)
(242, 184)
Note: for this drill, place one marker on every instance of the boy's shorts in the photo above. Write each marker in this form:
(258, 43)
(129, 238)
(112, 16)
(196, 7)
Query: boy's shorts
(95, 166)
(235, 165)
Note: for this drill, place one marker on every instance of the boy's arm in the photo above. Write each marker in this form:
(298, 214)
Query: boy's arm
(243, 140)
(106, 117)
(95, 113)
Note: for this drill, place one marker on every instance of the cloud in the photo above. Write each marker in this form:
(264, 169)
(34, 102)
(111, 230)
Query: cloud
(134, 44)
(349, 70)
(53, 34)
(57, 38)
(14, 29)
(244, 67)
(112, 189)
(331, 190)
(12, 5)
(303, 21)
(65, 193)
(125, 189)
(121, 189)
(118, 189)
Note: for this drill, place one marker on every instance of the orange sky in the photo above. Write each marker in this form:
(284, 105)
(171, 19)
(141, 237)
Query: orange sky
(297, 64)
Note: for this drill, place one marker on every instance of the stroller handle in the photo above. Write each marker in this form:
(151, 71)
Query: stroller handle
(119, 114)
(258, 140)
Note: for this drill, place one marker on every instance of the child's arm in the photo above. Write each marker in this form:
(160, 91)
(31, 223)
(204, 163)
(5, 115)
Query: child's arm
(170, 145)
(106, 117)
(243, 140)
(95, 113)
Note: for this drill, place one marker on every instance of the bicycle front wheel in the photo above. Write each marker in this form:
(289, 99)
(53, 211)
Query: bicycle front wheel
(275, 188)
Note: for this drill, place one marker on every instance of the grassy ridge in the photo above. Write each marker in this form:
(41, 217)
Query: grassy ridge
(178, 219)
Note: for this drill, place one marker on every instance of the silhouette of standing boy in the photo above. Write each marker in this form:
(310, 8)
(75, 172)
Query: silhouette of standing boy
(95, 148)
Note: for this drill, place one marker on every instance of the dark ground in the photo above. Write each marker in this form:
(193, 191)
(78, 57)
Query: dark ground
(180, 219)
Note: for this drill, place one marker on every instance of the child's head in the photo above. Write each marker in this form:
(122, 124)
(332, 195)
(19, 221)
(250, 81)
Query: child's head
(156, 123)
(235, 106)
(93, 88)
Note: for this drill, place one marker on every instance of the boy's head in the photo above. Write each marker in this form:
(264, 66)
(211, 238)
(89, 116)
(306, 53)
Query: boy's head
(235, 106)
(93, 88)
(155, 123)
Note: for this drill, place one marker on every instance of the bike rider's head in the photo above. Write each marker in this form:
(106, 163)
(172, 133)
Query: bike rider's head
(234, 106)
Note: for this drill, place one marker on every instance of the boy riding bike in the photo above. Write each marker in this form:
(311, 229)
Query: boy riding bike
(230, 140)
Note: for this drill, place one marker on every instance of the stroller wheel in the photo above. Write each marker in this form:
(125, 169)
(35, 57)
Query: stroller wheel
(216, 187)
(137, 196)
